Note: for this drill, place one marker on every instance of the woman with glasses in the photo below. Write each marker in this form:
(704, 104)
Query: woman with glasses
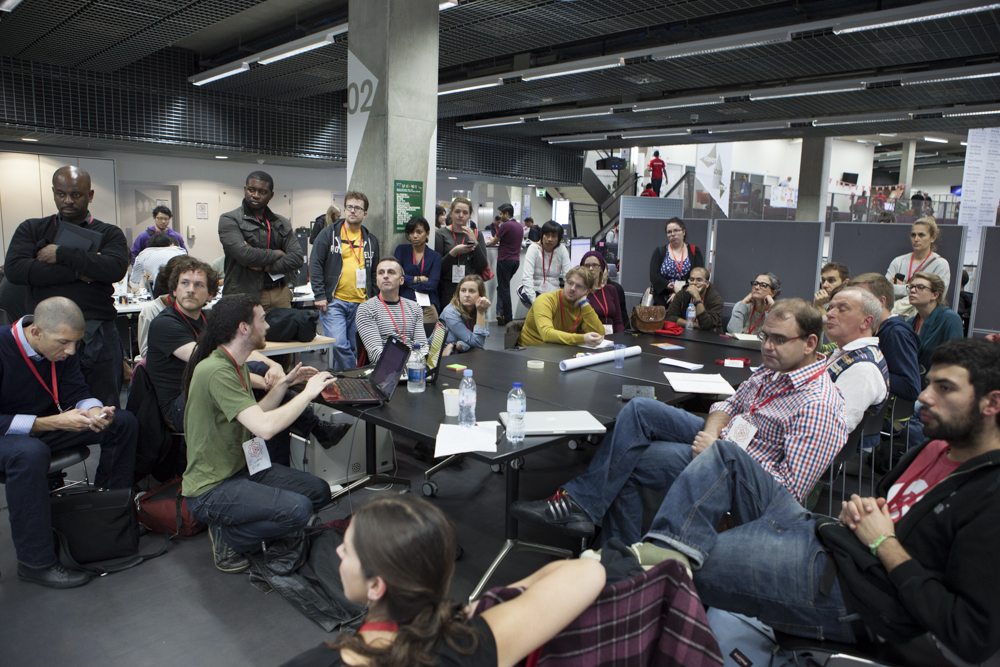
(462, 249)
(935, 322)
(671, 264)
(923, 234)
(604, 297)
(748, 315)
(421, 268)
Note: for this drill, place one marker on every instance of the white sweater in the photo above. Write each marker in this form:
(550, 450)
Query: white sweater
(935, 264)
(537, 262)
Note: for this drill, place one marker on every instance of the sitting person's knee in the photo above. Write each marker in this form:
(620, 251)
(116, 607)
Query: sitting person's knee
(29, 452)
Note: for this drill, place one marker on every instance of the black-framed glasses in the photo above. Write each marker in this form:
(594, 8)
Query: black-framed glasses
(755, 283)
(776, 341)
(919, 288)
(354, 209)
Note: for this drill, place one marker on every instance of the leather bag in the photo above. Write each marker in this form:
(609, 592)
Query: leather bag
(648, 319)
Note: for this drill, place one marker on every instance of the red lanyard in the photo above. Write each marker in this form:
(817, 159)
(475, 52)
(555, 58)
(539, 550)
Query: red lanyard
(184, 317)
(358, 255)
(238, 373)
(754, 325)
(402, 311)
(268, 223)
(909, 275)
(916, 325)
(54, 392)
(552, 256)
(422, 258)
(770, 398)
(680, 264)
(604, 302)
(562, 312)
(385, 627)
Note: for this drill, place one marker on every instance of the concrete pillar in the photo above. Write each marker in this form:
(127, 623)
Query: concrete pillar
(392, 130)
(814, 178)
(906, 165)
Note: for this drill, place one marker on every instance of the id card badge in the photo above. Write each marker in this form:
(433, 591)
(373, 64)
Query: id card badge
(608, 329)
(457, 273)
(423, 300)
(741, 432)
(360, 278)
(255, 451)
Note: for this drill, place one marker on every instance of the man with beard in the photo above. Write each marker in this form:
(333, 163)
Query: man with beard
(918, 558)
(230, 483)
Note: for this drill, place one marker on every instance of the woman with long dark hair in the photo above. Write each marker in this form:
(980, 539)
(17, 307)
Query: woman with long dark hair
(462, 249)
(395, 560)
(604, 297)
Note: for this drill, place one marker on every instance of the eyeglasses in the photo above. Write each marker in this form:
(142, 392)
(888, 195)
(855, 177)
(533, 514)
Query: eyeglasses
(354, 209)
(697, 281)
(919, 288)
(754, 283)
(671, 232)
(592, 265)
(776, 341)
(162, 218)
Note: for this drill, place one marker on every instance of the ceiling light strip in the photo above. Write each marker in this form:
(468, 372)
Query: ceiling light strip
(924, 12)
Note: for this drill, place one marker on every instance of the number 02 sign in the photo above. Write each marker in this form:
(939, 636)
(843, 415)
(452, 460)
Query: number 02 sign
(362, 87)
(360, 95)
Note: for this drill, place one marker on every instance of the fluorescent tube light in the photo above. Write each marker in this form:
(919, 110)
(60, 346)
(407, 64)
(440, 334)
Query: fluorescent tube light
(466, 88)
(566, 115)
(453, 178)
(936, 140)
(987, 112)
(447, 4)
(28, 139)
(721, 44)
(567, 72)
(795, 91)
(964, 143)
(678, 103)
(886, 134)
(219, 73)
(9, 5)
(476, 124)
(904, 20)
(221, 157)
(327, 40)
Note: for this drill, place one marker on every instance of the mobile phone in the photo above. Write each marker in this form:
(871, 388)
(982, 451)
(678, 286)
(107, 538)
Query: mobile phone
(900, 276)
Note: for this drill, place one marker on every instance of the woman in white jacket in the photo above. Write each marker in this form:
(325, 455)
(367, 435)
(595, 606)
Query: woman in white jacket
(923, 234)
(545, 263)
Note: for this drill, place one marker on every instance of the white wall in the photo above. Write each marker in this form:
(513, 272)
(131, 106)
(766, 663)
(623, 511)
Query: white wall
(854, 158)
(937, 181)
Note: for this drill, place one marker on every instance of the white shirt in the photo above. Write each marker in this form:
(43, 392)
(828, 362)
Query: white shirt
(861, 385)
(150, 261)
(542, 270)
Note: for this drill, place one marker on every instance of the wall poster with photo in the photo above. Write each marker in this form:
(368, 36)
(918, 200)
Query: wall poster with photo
(136, 203)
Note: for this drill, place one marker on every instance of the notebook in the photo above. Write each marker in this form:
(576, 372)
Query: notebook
(376, 388)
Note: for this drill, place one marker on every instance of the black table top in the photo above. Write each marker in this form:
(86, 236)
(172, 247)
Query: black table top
(695, 352)
(712, 338)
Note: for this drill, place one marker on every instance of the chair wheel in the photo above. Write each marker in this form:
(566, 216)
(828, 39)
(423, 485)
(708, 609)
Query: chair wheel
(430, 489)
(593, 438)
(517, 463)
(496, 467)
(573, 444)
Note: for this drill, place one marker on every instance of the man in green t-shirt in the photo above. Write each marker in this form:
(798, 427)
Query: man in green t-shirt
(230, 483)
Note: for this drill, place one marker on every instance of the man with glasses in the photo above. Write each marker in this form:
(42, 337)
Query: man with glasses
(161, 225)
(708, 303)
(788, 418)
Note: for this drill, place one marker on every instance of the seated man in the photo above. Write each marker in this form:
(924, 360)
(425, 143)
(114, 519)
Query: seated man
(916, 559)
(832, 276)
(389, 315)
(47, 406)
(788, 417)
(173, 335)
(161, 299)
(242, 507)
(158, 253)
(897, 339)
(707, 300)
(565, 316)
(856, 366)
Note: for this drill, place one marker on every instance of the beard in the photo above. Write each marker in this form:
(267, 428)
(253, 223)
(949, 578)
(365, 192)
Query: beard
(961, 433)
(258, 340)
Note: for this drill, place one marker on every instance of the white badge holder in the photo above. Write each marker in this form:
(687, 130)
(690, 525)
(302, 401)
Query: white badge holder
(255, 451)
(360, 278)
(457, 273)
(741, 432)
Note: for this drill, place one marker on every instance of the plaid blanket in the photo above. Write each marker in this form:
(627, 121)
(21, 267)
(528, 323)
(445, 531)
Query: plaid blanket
(655, 618)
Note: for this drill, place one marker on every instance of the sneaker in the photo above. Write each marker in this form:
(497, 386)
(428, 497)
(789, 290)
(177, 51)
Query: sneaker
(226, 558)
(329, 434)
(54, 576)
(649, 556)
(560, 512)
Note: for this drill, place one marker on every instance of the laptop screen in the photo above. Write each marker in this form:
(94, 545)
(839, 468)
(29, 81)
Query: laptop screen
(393, 358)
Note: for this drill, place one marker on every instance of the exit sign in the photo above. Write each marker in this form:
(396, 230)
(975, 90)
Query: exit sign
(539, 192)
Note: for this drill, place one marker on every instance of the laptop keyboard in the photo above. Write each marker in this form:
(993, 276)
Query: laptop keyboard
(353, 389)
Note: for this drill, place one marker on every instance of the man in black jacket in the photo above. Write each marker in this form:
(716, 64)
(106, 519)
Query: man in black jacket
(81, 267)
(917, 559)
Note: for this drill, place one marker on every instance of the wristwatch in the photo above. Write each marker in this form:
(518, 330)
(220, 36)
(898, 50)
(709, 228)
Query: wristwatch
(697, 302)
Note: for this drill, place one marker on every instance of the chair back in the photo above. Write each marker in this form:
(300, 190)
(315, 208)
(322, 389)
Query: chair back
(513, 334)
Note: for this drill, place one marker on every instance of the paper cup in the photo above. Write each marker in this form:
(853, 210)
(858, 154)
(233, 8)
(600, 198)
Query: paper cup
(450, 402)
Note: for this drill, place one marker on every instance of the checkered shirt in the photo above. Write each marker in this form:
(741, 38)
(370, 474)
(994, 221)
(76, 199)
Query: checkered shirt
(800, 432)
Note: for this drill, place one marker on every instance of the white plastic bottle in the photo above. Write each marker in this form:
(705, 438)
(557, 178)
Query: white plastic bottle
(467, 400)
(516, 407)
(691, 315)
(416, 370)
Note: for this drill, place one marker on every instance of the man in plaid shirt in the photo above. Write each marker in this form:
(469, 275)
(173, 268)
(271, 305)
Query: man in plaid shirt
(788, 418)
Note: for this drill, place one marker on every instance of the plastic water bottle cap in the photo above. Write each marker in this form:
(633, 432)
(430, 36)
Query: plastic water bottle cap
(467, 373)
(416, 346)
(517, 385)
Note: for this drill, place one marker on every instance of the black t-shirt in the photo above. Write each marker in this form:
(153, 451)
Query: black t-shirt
(485, 654)
(168, 331)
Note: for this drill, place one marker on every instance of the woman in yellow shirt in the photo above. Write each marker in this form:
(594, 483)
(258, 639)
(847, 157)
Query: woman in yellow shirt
(564, 316)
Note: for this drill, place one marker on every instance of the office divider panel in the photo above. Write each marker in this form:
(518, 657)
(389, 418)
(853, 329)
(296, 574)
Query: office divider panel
(789, 249)
(866, 246)
(643, 220)
(985, 318)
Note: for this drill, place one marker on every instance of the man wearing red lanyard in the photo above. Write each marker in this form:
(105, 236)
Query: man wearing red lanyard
(787, 419)
(388, 314)
(263, 256)
(230, 483)
(916, 559)
(47, 406)
(509, 237)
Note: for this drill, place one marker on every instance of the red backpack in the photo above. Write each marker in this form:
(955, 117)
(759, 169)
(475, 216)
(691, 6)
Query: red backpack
(165, 510)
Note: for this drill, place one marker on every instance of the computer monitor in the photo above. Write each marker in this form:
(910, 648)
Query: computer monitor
(956, 190)
(610, 251)
(578, 247)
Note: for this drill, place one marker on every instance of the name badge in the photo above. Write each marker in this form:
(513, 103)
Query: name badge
(423, 300)
(457, 273)
(608, 329)
(276, 276)
(741, 432)
(360, 278)
(255, 451)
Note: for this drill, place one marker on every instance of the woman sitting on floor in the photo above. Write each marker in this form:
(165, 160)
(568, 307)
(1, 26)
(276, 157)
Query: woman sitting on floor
(565, 316)
(465, 316)
(392, 560)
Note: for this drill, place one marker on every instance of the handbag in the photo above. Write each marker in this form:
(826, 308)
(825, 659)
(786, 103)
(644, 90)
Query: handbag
(488, 274)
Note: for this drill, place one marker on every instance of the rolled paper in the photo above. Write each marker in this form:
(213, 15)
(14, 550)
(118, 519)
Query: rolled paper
(599, 358)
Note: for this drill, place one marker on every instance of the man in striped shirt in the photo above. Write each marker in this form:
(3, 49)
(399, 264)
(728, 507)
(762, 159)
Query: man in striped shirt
(788, 418)
(389, 315)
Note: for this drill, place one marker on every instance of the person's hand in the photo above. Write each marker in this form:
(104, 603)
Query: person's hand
(821, 298)
(274, 375)
(702, 441)
(279, 253)
(448, 349)
(671, 298)
(603, 280)
(591, 339)
(307, 372)
(482, 304)
(896, 280)
(676, 286)
(47, 254)
(693, 291)
(461, 250)
(993, 338)
(101, 418)
(320, 304)
(867, 517)
(470, 234)
(317, 383)
(74, 421)
(768, 302)
(747, 299)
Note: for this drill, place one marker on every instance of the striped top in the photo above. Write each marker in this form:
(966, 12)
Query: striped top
(375, 324)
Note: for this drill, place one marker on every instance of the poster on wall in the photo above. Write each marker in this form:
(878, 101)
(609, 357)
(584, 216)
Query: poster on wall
(784, 197)
(409, 202)
(980, 187)
(714, 168)
(527, 206)
(136, 201)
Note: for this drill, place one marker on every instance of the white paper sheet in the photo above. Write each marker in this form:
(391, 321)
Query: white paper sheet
(423, 300)
(743, 336)
(455, 439)
(699, 383)
(602, 344)
(600, 357)
(682, 364)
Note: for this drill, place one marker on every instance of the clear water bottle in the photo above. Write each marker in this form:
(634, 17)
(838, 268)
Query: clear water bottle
(516, 407)
(467, 400)
(416, 370)
(691, 315)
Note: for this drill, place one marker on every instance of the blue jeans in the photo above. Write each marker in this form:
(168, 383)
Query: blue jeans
(649, 447)
(505, 271)
(24, 459)
(340, 322)
(770, 566)
(272, 503)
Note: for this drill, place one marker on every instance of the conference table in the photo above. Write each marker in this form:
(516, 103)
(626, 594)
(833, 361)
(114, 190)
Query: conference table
(593, 388)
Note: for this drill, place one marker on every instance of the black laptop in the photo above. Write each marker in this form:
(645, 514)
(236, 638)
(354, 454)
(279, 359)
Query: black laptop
(379, 386)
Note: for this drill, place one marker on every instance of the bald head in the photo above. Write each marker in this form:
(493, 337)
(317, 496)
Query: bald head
(72, 193)
(56, 313)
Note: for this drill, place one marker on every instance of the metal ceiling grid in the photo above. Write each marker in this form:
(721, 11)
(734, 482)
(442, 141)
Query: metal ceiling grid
(512, 157)
(311, 73)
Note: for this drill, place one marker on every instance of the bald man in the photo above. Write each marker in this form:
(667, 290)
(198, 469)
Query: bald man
(71, 254)
(45, 405)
